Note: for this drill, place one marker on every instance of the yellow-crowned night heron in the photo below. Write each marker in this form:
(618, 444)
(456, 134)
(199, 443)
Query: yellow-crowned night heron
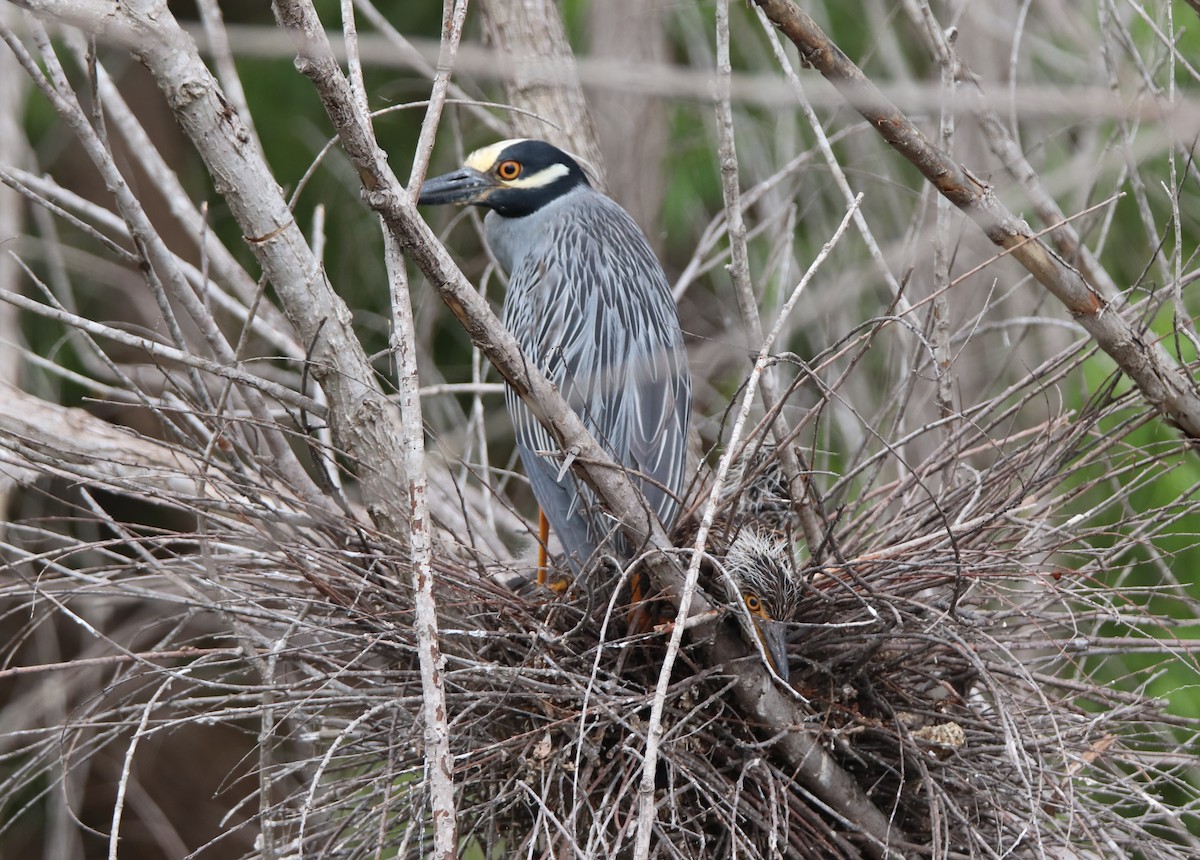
(589, 304)
(759, 579)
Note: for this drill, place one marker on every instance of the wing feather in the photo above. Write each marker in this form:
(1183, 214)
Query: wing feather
(595, 313)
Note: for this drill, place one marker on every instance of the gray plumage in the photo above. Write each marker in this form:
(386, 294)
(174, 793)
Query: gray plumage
(590, 306)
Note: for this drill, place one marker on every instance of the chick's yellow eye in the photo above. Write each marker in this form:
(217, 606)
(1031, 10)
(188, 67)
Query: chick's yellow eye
(753, 603)
(508, 170)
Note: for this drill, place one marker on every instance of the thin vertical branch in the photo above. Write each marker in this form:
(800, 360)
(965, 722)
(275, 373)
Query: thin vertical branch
(300, 18)
(941, 252)
(354, 70)
(739, 265)
(114, 831)
(1183, 318)
(454, 17)
(796, 472)
(439, 762)
(1162, 383)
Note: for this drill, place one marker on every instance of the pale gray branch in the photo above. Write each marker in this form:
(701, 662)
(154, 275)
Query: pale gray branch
(1163, 384)
(365, 426)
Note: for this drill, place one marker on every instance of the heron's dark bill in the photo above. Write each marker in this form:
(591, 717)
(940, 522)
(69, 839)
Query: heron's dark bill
(462, 186)
(773, 635)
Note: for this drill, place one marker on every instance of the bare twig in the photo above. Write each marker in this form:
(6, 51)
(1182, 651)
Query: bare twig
(454, 17)
(1147, 363)
(281, 393)
(798, 477)
(439, 761)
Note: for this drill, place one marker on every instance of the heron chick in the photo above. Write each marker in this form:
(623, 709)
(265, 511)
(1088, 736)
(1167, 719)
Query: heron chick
(760, 581)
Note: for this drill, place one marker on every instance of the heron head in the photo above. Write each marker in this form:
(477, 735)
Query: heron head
(761, 582)
(512, 177)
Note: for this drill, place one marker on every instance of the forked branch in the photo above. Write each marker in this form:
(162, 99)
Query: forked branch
(1163, 384)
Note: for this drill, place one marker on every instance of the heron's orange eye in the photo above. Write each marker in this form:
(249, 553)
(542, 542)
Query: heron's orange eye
(753, 603)
(508, 170)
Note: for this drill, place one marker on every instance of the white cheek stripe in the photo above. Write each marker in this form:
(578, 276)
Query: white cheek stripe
(540, 179)
(485, 159)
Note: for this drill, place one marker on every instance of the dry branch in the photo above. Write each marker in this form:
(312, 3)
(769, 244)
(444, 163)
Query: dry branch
(42, 436)
(1164, 384)
(364, 424)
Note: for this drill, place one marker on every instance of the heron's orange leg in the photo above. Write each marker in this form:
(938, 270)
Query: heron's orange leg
(543, 539)
(642, 616)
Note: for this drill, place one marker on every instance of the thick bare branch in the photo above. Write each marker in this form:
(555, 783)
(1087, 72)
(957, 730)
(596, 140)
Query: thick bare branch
(365, 425)
(1160, 380)
(72, 442)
